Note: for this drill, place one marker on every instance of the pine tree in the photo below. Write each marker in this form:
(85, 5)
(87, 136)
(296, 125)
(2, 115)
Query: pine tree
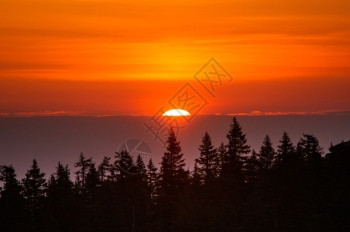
(34, 191)
(34, 186)
(237, 142)
(91, 197)
(267, 154)
(13, 215)
(173, 178)
(310, 149)
(62, 204)
(83, 164)
(285, 150)
(196, 177)
(92, 179)
(236, 151)
(172, 172)
(123, 166)
(60, 182)
(208, 160)
(11, 184)
(252, 167)
(289, 159)
(221, 158)
(152, 179)
(140, 166)
(104, 168)
(142, 199)
(313, 175)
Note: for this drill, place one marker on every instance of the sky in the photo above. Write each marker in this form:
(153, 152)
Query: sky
(111, 57)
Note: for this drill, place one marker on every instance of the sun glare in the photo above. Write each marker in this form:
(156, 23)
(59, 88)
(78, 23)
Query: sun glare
(176, 112)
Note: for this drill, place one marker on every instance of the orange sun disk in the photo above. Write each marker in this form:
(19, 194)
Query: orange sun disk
(176, 113)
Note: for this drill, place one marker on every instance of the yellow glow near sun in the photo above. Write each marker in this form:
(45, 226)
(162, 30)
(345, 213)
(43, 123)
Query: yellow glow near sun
(176, 112)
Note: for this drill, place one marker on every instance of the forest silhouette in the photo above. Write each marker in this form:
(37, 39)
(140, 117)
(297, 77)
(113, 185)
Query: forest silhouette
(231, 188)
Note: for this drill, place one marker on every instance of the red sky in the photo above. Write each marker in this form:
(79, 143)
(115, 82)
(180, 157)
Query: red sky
(120, 57)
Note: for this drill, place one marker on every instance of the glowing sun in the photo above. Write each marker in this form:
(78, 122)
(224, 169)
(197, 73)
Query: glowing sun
(176, 112)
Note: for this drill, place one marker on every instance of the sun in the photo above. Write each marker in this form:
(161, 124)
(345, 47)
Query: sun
(177, 112)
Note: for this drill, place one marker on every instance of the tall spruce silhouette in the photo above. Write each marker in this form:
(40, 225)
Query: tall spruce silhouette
(309, 148)
(34, 185)
(172, 178)
(104, 168)
(34, 190)
(61, 207)
(252, 167)
(172, 172)
(83, 165)
(152, 180)
(236, 151)
(13, 215)
(208, 161)
(285, 151)
(267, 154)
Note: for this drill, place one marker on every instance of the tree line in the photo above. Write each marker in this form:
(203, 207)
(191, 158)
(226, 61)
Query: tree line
(231, 188)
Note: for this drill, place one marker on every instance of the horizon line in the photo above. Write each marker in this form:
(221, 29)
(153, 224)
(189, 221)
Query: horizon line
(252, 113)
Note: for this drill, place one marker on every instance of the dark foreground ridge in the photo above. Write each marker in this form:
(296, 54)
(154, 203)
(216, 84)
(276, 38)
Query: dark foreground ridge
(231, 188)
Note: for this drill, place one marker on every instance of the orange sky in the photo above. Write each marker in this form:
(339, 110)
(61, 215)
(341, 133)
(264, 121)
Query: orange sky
(101, 57)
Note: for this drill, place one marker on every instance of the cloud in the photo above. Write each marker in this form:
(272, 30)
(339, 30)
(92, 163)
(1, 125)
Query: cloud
(279, 113)
(41, 114)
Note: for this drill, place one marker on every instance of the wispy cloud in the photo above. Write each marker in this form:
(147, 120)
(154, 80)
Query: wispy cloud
(42, 114)
(280, 113)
